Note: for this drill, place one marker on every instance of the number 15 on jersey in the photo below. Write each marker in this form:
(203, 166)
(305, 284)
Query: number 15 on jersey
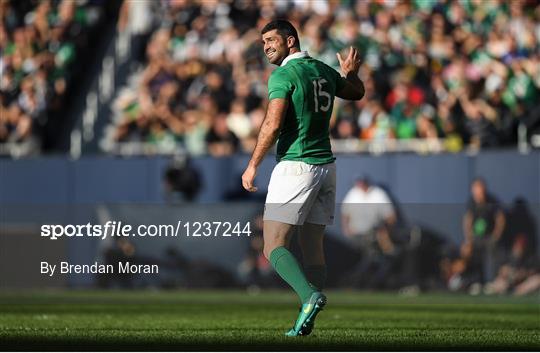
(318, 92)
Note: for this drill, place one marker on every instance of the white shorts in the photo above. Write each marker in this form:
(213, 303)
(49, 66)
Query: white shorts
(299, 192)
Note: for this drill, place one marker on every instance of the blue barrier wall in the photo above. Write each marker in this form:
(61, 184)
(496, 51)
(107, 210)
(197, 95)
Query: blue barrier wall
(411, 178)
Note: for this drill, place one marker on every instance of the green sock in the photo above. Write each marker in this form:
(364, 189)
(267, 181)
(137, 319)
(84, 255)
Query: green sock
(316, 275)
(288, 268)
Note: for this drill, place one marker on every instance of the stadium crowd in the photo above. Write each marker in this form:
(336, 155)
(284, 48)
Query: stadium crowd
(39, 44)
(464, 72)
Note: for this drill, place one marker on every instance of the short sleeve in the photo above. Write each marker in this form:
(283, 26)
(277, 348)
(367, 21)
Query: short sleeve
(279, 85)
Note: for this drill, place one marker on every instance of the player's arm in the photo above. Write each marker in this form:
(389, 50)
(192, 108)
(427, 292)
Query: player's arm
(275, 113)
(353, 88)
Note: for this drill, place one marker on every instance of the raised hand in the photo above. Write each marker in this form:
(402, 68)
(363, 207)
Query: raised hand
(351, 64)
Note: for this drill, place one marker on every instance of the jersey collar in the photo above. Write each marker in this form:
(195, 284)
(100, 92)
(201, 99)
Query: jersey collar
(297, 55)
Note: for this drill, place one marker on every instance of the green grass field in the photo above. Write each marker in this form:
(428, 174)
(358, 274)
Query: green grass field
(214, 320)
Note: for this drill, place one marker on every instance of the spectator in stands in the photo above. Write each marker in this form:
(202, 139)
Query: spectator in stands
(367, 220)
(370, 201)
(137, 19)
(238, 120)
(220, 140)
(483, 226)
(196, 128)
(346, 129)
(15, 125)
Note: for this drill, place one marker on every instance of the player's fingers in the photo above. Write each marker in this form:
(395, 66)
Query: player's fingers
(351, 51)
(339, 57)
(245, 184)
(248, 185)
(355, 52)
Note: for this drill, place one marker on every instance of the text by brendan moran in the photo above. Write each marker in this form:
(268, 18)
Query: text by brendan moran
(121, 267)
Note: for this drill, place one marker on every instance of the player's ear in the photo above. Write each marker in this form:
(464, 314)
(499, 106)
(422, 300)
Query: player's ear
(291, 42)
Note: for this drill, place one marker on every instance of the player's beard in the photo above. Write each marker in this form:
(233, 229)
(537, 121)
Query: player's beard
(277, 57)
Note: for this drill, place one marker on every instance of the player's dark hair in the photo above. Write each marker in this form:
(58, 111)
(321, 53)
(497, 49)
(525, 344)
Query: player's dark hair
(284, 28)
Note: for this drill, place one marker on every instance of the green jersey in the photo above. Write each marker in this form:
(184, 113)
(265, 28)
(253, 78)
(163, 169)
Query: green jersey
(310, 86)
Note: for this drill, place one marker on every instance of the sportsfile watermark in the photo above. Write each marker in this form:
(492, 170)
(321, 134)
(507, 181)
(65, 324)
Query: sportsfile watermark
(122, 229)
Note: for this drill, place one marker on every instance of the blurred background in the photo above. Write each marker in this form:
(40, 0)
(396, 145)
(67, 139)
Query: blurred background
(147, 111)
